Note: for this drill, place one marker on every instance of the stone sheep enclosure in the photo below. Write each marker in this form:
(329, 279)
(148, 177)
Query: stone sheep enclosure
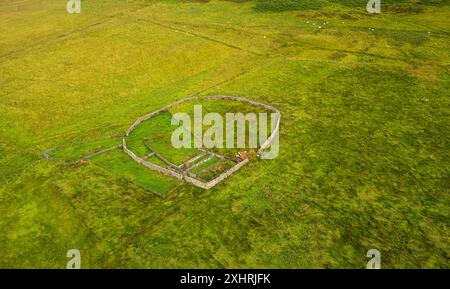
(182, 175)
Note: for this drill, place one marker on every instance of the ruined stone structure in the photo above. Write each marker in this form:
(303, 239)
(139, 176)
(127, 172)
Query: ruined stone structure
(183, 175)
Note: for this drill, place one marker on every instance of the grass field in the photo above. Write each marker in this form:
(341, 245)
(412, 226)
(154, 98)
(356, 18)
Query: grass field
(364, 142)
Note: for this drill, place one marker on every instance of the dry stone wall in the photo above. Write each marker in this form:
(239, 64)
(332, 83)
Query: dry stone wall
(185, 177)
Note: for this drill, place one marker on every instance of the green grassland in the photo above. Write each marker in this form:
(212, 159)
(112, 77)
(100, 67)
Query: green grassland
(156, 134)
(364, 146)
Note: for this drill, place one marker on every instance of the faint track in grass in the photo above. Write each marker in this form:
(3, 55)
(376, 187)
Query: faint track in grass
(53, 38)
(124, 124)
(179, 30)
(306, 44)
(14, 4)
(65, 35)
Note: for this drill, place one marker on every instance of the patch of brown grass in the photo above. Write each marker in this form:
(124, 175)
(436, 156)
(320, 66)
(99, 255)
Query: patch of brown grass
(423, 72)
